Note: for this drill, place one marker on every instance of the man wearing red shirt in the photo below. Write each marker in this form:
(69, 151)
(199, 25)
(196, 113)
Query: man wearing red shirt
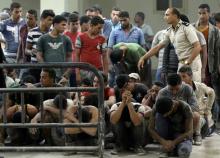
(91, 48)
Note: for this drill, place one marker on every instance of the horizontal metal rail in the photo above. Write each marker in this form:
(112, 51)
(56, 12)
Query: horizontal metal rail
(50, 148)
(49, 89)
(29, 125)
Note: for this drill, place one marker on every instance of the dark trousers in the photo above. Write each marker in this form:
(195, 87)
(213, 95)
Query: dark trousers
(128, 135)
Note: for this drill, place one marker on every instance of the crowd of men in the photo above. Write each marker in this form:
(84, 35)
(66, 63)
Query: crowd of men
(177, 110)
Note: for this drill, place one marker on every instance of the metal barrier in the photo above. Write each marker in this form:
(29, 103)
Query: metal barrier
(100, 125)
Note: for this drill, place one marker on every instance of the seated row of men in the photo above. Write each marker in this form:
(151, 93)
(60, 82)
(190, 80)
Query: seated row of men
(171, 115)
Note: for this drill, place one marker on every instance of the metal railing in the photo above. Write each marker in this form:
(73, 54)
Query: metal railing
(100, 124)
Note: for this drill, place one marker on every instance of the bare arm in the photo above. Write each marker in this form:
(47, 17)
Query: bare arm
(116, 115)
(105, 62)
(136, 117)
(91, 130)
(153, 51)
(40, 57)
(188, 132)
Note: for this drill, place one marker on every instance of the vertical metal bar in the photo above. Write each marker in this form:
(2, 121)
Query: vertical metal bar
(101, 124)
(23, 108)
(61, 109)
(78, 102)
(4, 96)
(41, 107)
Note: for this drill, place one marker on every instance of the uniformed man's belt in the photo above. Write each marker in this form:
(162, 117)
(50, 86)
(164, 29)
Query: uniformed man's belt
(182, 61)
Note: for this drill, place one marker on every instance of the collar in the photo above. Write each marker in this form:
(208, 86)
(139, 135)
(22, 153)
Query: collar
(194, 86)
(178, 25)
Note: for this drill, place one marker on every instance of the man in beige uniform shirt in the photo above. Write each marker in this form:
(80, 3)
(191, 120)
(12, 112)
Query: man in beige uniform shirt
(183, 36)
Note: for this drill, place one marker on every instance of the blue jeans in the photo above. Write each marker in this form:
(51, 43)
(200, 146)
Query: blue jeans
(164, 129)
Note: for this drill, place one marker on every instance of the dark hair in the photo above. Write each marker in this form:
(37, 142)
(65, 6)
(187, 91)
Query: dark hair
(97, 8)
(14, 5)
(33, 12)
(51, 72)
(186, 69)
(73, 18)
(174, 79)
(204, 6)
(164, 105)
(121, 80)
(86, 81)
(46, 13)
(84, 19)
(65, 14)
(96, 20)
(184, 18)
(58, 19)
(60, 99)
(116, 55)
(159, 84)
(123, 14)
(28, 79)
(91, 99)
(116, 8)
(176, 12)
(141, 15)
(17, 117)
(217, 17)
(75, 12)
(86, 115)
(89, 9)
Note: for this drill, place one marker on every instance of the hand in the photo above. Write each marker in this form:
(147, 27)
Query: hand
(126, 97)
(78, 78)
(33, 130)
(63, 81)
(168, 145)
(141, 63)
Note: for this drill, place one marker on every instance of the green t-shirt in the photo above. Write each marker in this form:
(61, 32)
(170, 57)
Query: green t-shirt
(133, 54)
(54, 49)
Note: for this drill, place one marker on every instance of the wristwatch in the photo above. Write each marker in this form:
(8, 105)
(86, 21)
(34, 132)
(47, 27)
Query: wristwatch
(186, 62)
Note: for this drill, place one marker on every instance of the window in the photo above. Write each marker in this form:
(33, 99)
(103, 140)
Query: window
(164, 4)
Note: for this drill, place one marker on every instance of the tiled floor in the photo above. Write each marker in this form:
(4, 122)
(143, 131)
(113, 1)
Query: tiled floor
(209, 149)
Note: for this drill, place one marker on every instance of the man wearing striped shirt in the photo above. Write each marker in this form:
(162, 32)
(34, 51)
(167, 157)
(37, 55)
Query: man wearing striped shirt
(33, 36)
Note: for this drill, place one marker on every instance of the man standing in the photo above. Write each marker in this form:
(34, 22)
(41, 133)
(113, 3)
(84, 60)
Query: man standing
(91, 48)
(183, 36)
(115, 18)
(127, 33)
(10, 29)
(147, 30)
(54, 46)
(31, 22)
(212, 36)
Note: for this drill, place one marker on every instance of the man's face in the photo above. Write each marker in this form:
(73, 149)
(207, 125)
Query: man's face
(125, 22)
(16, 14)
(61, 27)
(31, 20)
(84, 27)
(174, 89)
(96, 29)
(185, 77)
(218, 25)
(74, 26)
(114, 16)
(138, 21)
(169, 17)
(203, 15)
(154, 91)
(90, 14)
(47, 22)
(45, 79)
